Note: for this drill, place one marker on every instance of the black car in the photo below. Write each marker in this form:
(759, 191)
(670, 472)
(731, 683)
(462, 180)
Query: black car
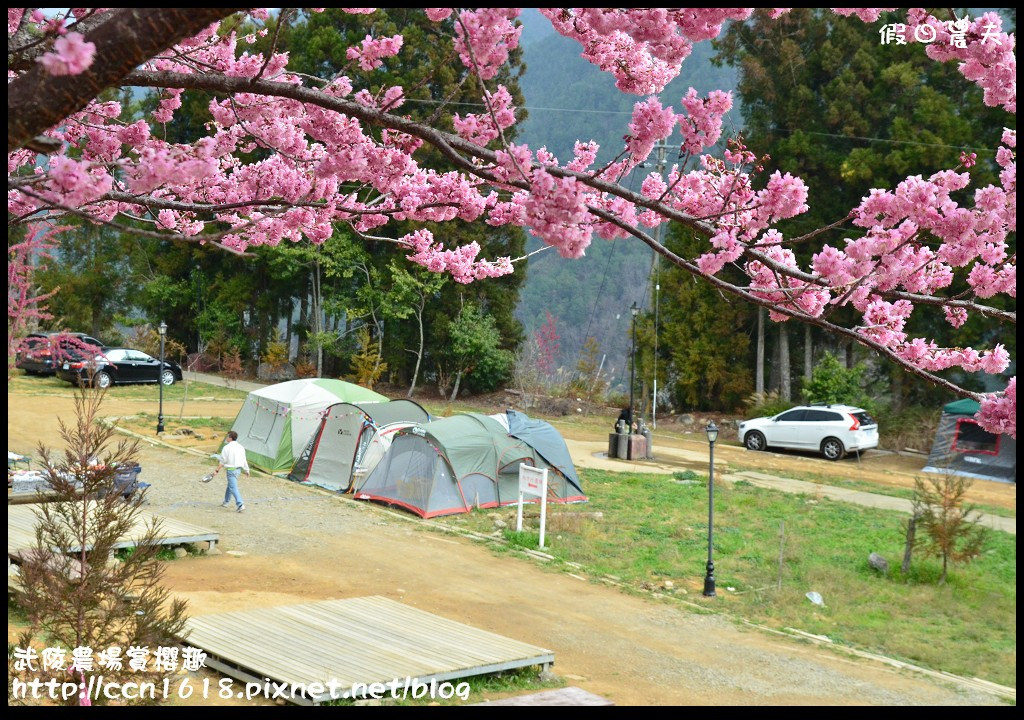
(37, 356)
(120, 366)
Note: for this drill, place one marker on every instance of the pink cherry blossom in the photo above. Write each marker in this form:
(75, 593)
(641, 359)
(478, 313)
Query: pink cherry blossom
(71, 55)
(371, 50)
(999, 411)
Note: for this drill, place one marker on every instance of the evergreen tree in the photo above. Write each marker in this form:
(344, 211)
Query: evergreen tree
(705, 338)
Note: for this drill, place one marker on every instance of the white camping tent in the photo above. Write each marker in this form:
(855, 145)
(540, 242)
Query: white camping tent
(275, 422)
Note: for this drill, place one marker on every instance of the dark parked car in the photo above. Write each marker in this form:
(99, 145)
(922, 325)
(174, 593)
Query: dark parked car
(121, 366)
(37, 354)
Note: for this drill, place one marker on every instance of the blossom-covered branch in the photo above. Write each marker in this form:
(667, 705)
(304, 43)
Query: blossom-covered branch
(320, 139)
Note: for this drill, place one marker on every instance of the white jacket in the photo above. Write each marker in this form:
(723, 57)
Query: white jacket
(233, 456)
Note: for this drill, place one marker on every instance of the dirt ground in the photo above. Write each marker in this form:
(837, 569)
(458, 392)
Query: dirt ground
(298, 544)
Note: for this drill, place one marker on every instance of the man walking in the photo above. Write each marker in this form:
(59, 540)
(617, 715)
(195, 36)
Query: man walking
(232, 459)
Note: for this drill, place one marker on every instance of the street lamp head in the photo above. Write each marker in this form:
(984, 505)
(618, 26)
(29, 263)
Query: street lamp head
(635, 310)
(162, 329)
(712, 431)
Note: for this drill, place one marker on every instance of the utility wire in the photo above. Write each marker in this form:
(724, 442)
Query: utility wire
(777, 129)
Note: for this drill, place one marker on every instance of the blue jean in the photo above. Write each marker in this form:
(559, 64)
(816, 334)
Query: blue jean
(232, 490)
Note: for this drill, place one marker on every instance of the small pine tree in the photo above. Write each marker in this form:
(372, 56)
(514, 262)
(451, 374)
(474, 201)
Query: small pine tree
(366, 363)
(947, 525)
(75, 593)
(276, 354)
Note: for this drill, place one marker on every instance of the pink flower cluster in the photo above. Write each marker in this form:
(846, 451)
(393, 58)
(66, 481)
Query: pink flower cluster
(650, 124)
(491, 35)
(438, 14)
(71, 55)
(556, 209)
(461, 263)
(371, 50)
(702, 127)
(481, 128)
(999, 411)
(642, 47)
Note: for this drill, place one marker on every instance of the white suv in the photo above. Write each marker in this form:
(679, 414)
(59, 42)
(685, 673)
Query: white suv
(832, 430)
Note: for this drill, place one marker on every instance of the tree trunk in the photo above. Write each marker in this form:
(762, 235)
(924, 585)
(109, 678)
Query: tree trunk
(759, 372)
(785, 385)
(318, 321)
(380, 349)
(419, 353)
(849, 355)
(288, 327)
(304, 318)
(455, 391)
(808, 353)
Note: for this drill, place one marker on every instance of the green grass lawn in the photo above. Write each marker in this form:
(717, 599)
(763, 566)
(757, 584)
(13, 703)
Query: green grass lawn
(654, 529)
(32, 385)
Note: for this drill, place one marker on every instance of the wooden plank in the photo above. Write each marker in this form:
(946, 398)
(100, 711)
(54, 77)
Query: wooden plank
(353, 641)
(570, 696)
(22, 520)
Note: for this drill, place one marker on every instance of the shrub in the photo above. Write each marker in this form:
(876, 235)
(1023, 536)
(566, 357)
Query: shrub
(833, 383)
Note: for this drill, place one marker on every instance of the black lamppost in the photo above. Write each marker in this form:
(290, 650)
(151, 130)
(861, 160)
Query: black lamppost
(632, 368)
(709, 578)
(160, 377)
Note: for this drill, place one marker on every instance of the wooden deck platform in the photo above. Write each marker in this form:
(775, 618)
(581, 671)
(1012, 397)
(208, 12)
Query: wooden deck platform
(357, 640)
(21, 534)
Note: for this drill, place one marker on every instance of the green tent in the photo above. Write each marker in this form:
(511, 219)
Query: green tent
(966, 406)
(455, 464)
(276, 422)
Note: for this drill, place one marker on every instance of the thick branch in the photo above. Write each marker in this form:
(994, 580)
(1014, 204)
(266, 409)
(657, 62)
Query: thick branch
(36, 100)
(459, 151)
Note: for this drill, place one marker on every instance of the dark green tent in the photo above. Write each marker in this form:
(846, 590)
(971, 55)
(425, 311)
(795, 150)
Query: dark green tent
(455, 464)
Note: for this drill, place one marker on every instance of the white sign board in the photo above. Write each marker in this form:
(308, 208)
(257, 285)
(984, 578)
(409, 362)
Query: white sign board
(534, 482)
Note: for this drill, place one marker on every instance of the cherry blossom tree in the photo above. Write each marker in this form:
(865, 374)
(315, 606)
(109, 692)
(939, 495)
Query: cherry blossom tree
(333, 153)
(25, 304)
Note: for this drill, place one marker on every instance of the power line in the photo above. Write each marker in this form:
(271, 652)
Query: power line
(885, 140)
(789, 130)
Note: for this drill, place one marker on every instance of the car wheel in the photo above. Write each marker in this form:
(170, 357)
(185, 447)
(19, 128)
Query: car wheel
(167, 377)
(832, 448)
(102, 380)
(755, 441)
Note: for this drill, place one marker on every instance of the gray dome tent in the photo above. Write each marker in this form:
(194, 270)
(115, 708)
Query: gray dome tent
(963, 447)
(465, 461)
(345, 434)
